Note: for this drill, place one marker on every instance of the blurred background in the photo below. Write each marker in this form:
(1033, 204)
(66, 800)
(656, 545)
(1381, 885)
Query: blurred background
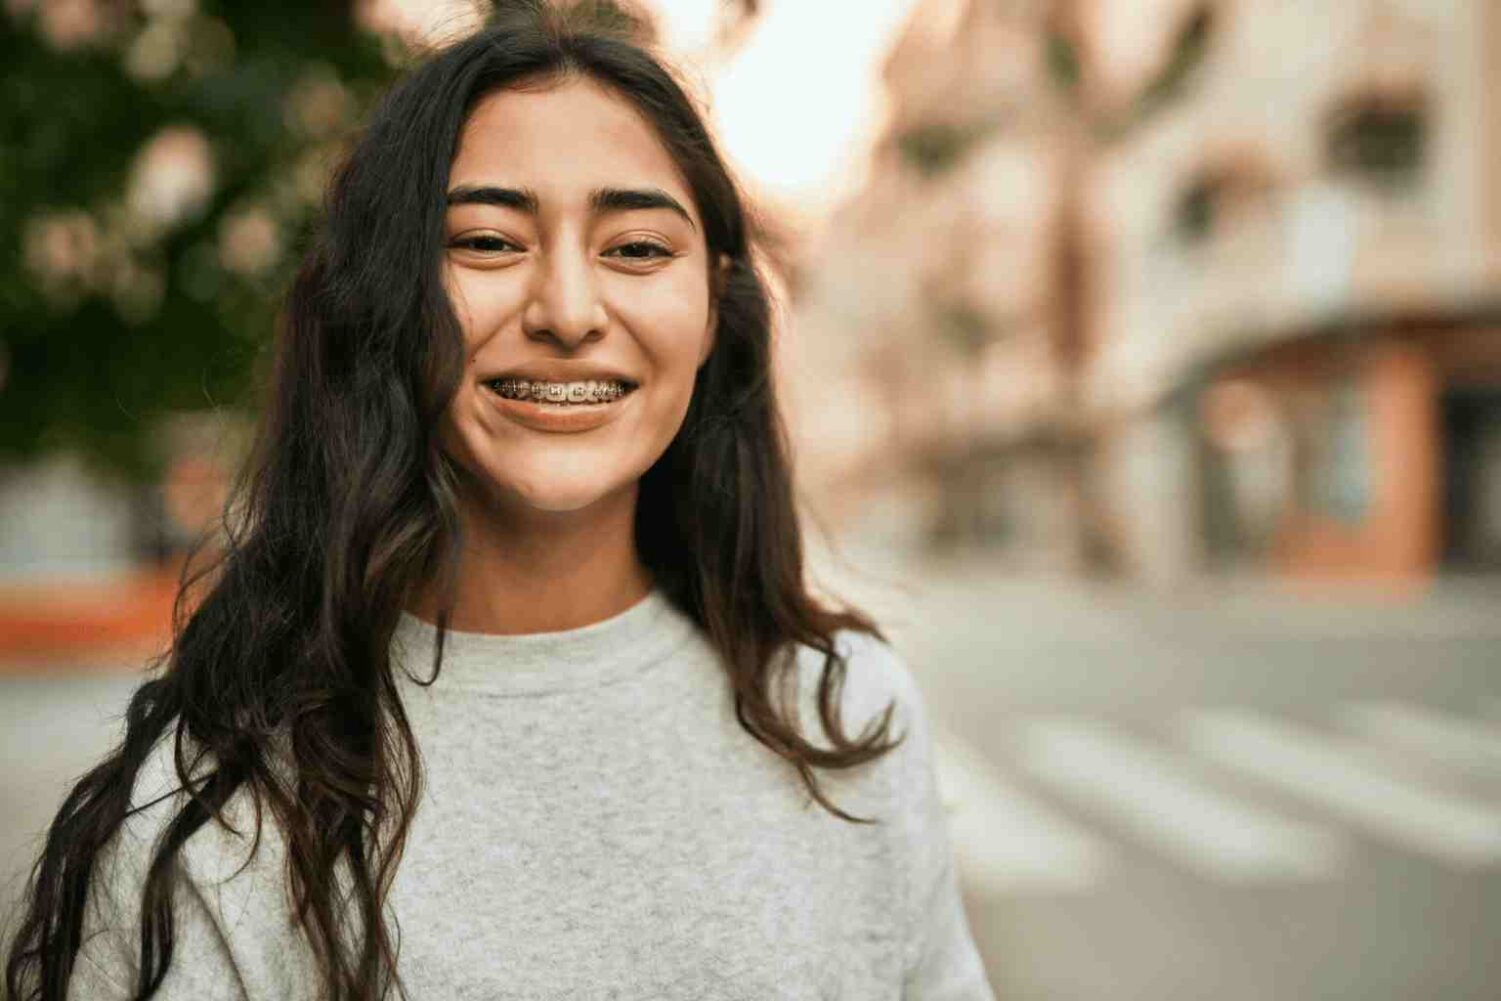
(1142, 360)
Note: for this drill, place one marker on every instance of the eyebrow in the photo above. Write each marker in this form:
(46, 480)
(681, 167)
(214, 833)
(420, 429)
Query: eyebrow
(601, 200)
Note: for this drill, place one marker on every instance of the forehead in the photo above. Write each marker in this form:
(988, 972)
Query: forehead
(563, 141)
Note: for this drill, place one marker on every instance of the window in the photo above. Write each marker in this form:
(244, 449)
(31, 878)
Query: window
(1233, 183)
(1379, 137)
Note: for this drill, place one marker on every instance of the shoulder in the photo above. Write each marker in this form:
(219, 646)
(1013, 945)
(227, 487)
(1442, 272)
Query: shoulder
(156, 797)
(876, 675)
(212, 854)
(218, 876)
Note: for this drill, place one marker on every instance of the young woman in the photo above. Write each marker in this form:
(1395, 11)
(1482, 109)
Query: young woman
(507, 684)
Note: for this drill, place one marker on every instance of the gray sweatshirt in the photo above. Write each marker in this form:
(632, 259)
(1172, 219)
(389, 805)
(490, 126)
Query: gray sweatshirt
(595, 824)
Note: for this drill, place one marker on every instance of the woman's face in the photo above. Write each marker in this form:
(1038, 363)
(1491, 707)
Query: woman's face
(573, 253)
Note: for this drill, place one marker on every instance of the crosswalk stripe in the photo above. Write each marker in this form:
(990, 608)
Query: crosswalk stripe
(1440, 737)
(1322, 769)
(1164, 802)
(1004, 839)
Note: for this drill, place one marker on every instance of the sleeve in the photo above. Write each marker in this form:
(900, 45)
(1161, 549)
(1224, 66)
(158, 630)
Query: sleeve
(108, 961)
(941, 961)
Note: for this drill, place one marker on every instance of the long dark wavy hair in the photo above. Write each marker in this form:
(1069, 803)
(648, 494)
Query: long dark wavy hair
(345, 510)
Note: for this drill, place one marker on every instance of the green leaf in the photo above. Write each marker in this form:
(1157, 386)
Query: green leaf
(78, 373)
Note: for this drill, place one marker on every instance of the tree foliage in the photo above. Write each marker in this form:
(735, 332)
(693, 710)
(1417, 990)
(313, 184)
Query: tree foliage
(117, 304)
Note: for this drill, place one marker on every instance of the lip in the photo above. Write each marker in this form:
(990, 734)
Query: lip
(571, 419)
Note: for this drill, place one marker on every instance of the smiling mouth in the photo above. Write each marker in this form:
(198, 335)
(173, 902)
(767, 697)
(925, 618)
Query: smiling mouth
(561, 394)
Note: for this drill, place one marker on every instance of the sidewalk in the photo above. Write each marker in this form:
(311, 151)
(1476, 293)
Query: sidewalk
(906, 587)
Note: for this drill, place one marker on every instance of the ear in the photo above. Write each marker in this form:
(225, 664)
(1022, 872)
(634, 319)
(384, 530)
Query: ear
(717, 280)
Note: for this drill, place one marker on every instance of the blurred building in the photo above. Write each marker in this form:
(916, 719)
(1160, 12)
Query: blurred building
(926, 297)
(1240, 256)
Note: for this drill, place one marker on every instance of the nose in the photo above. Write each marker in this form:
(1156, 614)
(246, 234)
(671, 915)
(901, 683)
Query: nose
(564, 303)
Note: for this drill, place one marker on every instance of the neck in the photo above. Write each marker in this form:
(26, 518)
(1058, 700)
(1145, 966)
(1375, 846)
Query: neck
(532, 571)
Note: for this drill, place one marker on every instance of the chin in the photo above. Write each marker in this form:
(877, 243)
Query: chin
(560, 496)
(561, 503)
(551, 480)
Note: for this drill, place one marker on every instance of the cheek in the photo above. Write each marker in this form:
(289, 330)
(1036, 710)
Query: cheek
(457, 290)
(455, 429)
(479, 299)
(670, 320)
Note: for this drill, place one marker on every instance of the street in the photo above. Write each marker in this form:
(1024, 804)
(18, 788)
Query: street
(1231, 792)
(1225, 791)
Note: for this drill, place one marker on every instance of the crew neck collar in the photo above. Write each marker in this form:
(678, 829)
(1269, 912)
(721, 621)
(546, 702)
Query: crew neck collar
(537, 663)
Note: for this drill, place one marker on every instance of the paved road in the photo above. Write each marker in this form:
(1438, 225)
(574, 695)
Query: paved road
(1227, 792)
(1224, 792)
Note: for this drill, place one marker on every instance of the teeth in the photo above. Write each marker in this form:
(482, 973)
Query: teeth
(560, 393)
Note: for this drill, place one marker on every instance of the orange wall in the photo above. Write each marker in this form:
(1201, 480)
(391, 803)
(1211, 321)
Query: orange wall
(1400, 536)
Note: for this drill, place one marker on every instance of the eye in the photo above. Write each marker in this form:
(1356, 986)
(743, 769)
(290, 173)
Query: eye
(640, 250)
(485, 243)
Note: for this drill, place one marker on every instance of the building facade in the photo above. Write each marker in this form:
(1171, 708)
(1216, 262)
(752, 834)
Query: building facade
(1246, 250)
